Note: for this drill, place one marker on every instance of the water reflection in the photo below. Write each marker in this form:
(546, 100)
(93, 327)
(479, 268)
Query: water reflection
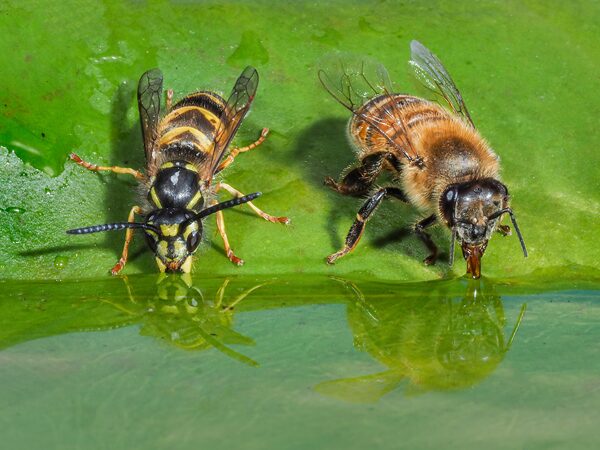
(441, 340)
(168, 307)
(181, 315)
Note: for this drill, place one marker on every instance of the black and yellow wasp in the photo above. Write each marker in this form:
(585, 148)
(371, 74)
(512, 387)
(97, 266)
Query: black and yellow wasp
(184, 151)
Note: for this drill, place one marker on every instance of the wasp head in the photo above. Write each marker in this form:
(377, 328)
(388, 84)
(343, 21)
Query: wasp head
(173, 235)
(472, 210)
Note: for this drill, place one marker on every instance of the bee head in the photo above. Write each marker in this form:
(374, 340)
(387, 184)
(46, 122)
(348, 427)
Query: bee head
(472, 210)
(173, 235)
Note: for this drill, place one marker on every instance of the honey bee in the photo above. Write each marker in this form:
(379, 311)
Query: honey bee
(438, 160)
(184, 150)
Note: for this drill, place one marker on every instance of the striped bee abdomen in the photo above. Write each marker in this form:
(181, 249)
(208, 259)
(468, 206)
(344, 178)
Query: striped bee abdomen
(385, 112)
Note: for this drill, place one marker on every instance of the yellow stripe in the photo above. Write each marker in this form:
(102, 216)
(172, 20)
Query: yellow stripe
(191, 227)
(169, 230)
(209, 115)
(155, 198)
(195, 199)
(203, 142)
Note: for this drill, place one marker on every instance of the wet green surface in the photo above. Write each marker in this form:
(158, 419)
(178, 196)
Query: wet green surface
(378, 351)
(273, 363)
(527, 71)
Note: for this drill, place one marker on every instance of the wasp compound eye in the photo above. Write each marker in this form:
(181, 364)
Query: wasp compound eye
(192, 241)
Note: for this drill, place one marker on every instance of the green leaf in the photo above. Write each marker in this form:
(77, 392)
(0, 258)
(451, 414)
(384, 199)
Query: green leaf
(527, 72)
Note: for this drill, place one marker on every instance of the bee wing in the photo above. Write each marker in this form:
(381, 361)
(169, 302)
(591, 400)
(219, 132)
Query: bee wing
(431, 72)
(235, 110)
(149, 94)
(355, 81)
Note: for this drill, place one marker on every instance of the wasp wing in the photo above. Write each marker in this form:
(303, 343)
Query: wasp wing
(235, 110)
(431, 72)
(149, 94)
(353, 82)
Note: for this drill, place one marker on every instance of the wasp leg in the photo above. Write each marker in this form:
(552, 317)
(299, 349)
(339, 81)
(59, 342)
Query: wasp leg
(236, 151)
(96, 168)
(264, 215)
(358, 181)
(221, 227)
(169, 101)
(420, 230)
(357, 228)
(128, 236)
(504, 230)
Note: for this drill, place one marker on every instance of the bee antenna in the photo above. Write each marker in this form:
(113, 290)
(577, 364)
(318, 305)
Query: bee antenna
(224, 205)
(112, 227)
(514, 222)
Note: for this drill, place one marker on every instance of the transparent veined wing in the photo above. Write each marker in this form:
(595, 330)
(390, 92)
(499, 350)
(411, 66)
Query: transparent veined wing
(236, 108)
(149, 94)
(355, 81)
(434, 76)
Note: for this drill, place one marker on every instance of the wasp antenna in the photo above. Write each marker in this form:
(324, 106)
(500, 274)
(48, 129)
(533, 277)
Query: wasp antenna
(110, 227)
(452, 242)
(228, 204)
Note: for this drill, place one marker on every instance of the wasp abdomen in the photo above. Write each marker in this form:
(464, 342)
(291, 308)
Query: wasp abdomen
(193, 121)
(177, 185)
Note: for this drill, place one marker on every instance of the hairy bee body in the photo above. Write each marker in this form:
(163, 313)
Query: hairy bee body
(438, 161)
(451, 151)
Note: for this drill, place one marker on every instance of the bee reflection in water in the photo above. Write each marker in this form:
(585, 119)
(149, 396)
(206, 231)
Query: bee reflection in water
(445, 341)
(180, 314)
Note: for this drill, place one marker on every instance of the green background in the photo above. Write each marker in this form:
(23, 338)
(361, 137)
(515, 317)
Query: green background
(377, 351)
(528, 71)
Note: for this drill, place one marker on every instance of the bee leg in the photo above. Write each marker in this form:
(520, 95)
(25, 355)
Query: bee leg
(126, 170)
(169, 101)
(504, 230)
(221, 227)
(264, 215)
(420, 230)
(128, 237)
(357, 228)
(358, 181)
(236, 151)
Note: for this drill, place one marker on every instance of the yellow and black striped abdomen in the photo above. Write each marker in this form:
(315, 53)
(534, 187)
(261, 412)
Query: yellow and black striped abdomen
(192, 124)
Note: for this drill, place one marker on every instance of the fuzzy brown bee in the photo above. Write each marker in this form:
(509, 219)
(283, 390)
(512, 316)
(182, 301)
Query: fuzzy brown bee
(438, 160)
(184, 151)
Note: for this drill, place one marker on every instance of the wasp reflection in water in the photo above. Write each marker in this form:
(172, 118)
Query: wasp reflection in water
(441, 341)
(181, 315)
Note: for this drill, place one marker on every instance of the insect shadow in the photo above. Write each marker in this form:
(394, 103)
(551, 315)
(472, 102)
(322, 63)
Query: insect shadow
(325, 151)
(127, 150)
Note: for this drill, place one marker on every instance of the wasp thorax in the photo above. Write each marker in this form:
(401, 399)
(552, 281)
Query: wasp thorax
(175, 236)
(177, 185)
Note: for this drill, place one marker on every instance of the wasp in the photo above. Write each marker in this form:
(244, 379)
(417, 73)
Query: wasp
(184, 151)
(437, 159)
